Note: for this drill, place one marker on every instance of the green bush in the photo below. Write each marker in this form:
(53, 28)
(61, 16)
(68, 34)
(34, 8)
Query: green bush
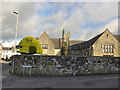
(64, 48)
(30, 45)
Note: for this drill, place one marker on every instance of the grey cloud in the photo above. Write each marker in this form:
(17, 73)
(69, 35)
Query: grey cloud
(30, 23)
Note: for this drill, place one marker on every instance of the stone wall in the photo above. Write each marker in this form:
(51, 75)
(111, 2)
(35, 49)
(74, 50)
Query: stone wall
(66, 65)
(0, 51)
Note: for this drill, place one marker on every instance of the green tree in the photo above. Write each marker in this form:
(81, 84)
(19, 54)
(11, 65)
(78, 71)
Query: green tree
(30, 45)
(64, 50)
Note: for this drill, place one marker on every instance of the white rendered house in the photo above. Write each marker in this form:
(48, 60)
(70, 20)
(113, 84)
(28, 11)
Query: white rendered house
(8, 50)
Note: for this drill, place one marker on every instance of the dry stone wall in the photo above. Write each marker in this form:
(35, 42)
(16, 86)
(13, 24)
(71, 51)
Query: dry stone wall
(65, 65)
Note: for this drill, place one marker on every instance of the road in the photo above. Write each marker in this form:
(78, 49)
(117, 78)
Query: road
(98, 81)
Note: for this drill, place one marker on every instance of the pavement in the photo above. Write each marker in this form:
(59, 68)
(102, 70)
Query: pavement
(2, 61)
(97, 81)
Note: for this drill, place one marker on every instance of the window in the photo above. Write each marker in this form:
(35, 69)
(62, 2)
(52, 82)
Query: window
(3, 51)
(44, 46)
(107, 35)
(111, 49)
(107, 48)
(104, 48)
(6, 51)
(4, 56)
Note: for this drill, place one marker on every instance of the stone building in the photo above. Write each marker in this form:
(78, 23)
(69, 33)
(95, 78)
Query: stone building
(104, 44)
(0, 50)
(53, 46)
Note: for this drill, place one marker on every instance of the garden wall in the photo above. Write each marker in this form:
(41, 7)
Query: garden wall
(65, 65)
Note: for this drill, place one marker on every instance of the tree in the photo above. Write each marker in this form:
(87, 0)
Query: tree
(65, 43)
(65, 48)
(30, 45)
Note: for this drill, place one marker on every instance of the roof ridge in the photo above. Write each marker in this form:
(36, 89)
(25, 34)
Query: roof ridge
(44, 33)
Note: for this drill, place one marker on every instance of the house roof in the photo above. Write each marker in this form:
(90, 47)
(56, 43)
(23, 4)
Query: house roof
(56, 42)
(90, 42)
(72, 42)
(86, 44)
(117, 37)
(7, 48)
(44, 34)
(9, 44)
(75, 44)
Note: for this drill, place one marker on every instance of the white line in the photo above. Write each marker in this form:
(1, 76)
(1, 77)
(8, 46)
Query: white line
(103, 78)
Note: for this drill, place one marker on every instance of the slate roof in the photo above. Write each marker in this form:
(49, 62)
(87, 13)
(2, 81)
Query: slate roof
(117, 37)
(72, 42)
(85, 44)
(57, 42)
(7, 48)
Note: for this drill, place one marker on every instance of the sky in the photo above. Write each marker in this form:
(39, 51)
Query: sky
(84, 20)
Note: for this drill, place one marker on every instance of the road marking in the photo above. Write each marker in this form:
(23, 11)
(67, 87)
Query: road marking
(111, 78)
(101, 79)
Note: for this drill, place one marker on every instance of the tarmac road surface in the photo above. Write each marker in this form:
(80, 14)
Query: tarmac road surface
(98, 81)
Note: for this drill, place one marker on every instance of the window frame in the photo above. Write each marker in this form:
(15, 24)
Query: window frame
(108, 48)
(44, 46)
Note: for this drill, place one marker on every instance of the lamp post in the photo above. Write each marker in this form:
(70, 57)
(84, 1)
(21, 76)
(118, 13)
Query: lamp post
(16, 13)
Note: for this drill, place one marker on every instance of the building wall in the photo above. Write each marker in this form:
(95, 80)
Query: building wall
(0, 51)
(104, 42)
(45, 40)
(7, 53)
(95, 49)
(106, 39)
(57, 52)
(45, 51)
(119, 49)
(86, 52)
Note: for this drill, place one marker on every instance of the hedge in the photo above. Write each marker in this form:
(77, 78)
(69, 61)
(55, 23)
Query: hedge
(30, 45)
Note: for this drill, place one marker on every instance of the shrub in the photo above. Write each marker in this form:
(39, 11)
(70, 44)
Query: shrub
(30, 45)
(64, 48)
